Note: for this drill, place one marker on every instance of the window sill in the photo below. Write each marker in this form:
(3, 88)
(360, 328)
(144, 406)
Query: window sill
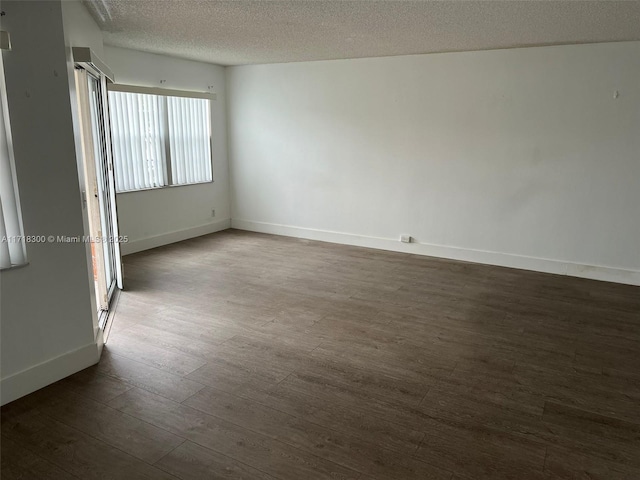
(164, 187)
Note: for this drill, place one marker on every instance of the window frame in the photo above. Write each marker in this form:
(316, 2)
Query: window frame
(167, 92)
(10, 165)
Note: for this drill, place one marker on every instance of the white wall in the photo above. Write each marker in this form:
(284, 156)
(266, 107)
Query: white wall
(46, 315)
(515, 157)
(80, 29)
(156, 217)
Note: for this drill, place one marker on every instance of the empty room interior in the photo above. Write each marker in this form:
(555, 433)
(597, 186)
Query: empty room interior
(320, 239)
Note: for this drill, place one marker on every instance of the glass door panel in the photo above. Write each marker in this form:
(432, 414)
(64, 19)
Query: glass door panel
(99, 188)
(105, 238)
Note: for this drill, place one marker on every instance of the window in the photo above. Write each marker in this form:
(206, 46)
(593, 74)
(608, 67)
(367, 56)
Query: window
(160, 138)
(12, 249)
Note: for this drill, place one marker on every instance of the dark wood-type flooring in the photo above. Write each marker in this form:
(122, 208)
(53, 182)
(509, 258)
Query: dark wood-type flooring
(247, 356)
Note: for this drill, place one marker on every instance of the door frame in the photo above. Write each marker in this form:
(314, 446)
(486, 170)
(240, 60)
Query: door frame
(89, 174)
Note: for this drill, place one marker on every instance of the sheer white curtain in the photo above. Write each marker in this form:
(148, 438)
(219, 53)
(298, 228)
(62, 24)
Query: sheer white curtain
(139, 151)
(189, 140)
(12, 251)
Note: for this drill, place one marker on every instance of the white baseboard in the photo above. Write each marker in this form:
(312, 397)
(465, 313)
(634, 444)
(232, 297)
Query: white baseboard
(39, 376)
(172, 237)
(617, 275)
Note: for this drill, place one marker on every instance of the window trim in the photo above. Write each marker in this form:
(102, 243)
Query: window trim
(119, 87)
(164, 187)
(167, 92)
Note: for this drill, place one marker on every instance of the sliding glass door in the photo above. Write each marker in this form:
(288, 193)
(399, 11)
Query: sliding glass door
(99, 187)
(102, 188)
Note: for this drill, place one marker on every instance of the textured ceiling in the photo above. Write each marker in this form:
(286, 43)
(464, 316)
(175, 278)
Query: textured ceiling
(263, 31)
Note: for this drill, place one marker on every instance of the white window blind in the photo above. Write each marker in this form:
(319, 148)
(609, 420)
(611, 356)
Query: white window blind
(138, 140)
(189, 140)
(159, 140)
(12, 250)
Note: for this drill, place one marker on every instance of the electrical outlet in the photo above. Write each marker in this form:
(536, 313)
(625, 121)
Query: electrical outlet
(213, 212)
(404, 238)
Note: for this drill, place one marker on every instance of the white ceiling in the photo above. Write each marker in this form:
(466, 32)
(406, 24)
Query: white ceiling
(263, 31)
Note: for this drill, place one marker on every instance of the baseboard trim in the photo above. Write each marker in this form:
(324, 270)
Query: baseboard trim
(593, 272)
(39, 376)
(173, 237)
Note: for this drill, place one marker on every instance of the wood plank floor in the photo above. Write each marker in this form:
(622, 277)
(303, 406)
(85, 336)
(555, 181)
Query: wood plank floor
(247, 356)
